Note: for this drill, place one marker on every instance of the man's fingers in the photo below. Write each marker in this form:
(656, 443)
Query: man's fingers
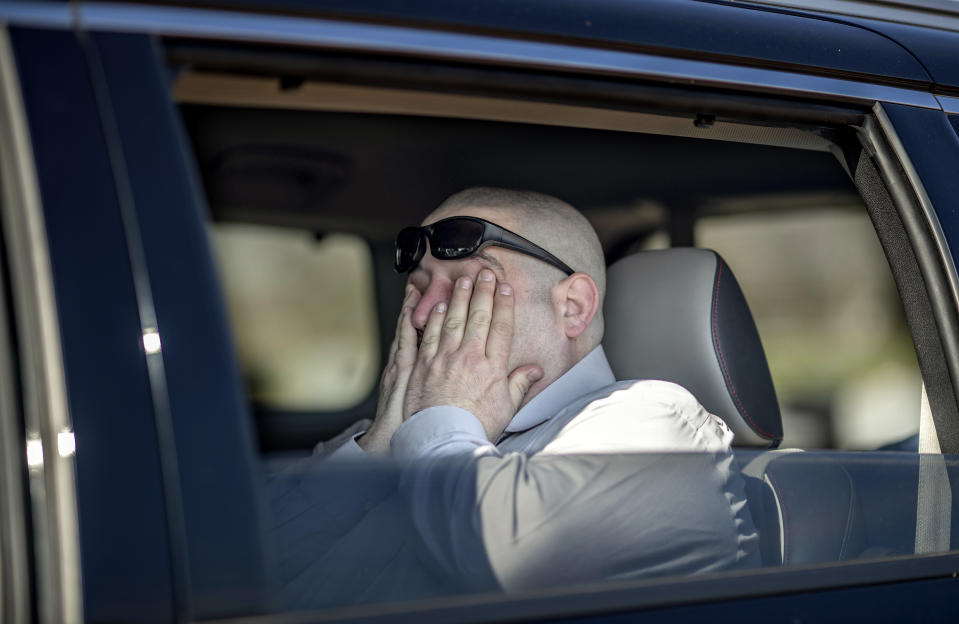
(406, 339)
(520, 381)
(455, 323)
(402, 367)
(500, 339)
(481, 308)
(409, 301)
(429, 344)
(402, 353)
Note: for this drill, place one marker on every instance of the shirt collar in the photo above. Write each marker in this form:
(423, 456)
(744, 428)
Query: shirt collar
(588, 375)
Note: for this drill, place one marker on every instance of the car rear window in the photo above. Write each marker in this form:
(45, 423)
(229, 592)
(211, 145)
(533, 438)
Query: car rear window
(303, 314)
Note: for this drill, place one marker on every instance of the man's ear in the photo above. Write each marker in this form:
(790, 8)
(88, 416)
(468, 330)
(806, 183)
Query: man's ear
(580, 302)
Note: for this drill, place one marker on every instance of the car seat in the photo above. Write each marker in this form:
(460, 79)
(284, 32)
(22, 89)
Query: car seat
(679, 315)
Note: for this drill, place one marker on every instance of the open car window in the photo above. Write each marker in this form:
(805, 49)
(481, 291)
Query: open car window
(779, 209)
(788, 220)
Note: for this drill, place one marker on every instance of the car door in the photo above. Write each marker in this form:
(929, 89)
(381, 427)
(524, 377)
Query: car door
(121, 340)
(106, 154)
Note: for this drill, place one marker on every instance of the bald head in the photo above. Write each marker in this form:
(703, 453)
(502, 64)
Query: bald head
(545, 220)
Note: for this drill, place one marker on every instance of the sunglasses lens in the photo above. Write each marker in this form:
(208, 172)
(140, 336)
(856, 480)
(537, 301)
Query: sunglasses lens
(456, 238)
(409, 249)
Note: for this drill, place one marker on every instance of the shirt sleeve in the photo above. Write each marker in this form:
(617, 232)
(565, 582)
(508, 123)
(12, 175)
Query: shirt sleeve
(343, 446)
(591, 506)
(348, 451)
(442, 431)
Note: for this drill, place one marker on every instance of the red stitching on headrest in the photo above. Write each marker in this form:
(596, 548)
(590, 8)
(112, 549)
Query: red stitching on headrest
(722, 359)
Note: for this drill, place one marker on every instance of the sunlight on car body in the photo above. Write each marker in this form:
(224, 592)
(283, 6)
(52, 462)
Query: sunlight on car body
(35, 453)
(151, 341)
(66, 443)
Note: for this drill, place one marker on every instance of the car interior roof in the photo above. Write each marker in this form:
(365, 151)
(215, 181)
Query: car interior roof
(373, 173)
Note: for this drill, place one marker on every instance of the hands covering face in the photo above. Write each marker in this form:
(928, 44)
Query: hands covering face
(393, 382)
(462, 360)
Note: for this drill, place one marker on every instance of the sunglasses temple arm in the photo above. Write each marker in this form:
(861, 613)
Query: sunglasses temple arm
(518, 243)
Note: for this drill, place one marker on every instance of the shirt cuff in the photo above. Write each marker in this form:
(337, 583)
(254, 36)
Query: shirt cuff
(439, 431)
(349, 450)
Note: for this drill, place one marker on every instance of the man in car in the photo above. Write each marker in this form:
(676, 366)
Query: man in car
(516, 437)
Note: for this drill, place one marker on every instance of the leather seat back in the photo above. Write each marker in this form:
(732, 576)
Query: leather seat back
(679, 315)
(806, 507)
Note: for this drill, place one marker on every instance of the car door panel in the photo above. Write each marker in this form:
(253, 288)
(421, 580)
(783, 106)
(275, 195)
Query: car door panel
(124, 542)
(203, 407)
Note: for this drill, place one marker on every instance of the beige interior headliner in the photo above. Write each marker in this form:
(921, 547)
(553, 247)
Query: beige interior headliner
(265, 92)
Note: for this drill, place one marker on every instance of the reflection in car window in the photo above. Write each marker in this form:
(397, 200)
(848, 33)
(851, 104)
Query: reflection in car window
(349, 533)
(303, 314)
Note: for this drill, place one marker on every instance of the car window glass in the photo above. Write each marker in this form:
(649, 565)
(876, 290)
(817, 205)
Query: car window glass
(830, 319)
(303, 314)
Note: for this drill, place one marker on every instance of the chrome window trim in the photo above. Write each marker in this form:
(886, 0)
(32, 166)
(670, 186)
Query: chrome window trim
(949, 104)
(52, 483)
(941, 14)
(14, 515)
(39, 14)
(439, 45)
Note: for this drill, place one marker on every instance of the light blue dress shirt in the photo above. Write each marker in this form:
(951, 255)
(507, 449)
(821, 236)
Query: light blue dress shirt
(593, 479)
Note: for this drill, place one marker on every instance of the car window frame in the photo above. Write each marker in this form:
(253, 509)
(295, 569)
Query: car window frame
(42, 558)
(648, 595)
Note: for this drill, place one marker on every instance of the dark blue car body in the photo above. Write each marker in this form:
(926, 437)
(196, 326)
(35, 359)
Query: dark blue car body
(151, 519)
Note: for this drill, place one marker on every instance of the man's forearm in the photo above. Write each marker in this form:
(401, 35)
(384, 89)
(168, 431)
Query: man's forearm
(438, 448)
(552, 518)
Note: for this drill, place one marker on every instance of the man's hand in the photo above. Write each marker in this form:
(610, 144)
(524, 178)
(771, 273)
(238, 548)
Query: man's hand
(463, 358)
(396, 376)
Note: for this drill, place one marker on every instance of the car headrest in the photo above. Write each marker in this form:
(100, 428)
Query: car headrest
(678, 315)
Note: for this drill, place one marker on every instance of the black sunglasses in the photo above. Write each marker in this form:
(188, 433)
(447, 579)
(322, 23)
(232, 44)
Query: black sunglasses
(460, 237)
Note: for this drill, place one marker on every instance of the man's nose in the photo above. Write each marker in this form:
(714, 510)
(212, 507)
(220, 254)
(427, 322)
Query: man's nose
(438, 290)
